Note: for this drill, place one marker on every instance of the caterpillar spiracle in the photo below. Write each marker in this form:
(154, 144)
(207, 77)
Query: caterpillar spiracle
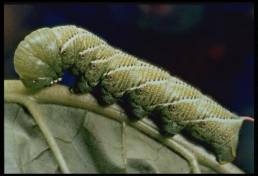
(44, 54)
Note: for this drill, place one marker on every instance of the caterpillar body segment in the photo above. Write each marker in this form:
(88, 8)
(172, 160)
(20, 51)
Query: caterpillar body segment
(93, 64)
(43, 55)
(122, 79)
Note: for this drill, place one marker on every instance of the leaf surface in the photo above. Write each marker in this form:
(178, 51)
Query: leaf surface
(89, 143)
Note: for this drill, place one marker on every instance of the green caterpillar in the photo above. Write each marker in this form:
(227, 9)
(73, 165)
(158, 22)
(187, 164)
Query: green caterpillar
(43, 55)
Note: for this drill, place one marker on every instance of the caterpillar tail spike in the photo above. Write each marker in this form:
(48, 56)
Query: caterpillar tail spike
(247, 118)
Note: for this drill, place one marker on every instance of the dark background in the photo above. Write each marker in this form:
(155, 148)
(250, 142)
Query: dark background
(210, 46)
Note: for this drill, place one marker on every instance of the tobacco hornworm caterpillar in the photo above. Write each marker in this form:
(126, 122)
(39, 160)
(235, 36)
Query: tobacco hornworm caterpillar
(43, 55)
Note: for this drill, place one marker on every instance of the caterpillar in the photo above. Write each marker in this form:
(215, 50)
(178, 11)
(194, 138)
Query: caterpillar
(41, 58)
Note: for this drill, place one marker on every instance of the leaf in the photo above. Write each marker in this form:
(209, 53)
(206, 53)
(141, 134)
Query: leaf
(89, 143)
(53, 133)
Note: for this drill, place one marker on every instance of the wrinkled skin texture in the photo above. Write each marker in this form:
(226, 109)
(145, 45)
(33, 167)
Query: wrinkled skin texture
(43, 55)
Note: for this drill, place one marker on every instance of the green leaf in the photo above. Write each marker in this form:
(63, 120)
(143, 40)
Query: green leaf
(89, 143)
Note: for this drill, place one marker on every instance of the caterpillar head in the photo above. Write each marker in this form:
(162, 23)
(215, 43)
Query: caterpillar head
(37, 60)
